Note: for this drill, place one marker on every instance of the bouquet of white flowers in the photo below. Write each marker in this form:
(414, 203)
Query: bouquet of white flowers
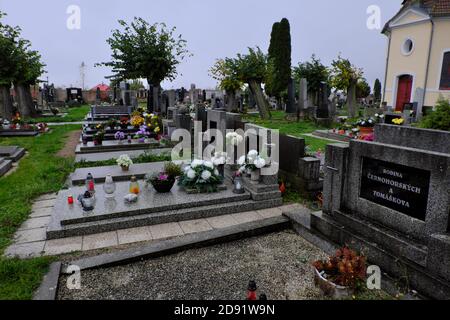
(124, 161)
(201, 175)
(253, 161)
(220, 158)
(234, 138)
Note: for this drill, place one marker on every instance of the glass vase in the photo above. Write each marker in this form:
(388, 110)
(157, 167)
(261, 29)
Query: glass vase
(109, 187)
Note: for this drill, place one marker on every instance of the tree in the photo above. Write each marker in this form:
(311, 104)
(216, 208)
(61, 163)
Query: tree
(222, 71)
(315, 73)
(142, 50)
(279, 60)
(19, 65)
(136, 84)
(251, 68)
(377, 91)
(362, 89)
(345, 76)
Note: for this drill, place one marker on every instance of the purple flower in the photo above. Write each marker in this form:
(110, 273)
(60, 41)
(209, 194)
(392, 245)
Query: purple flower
(163, 177)
(119, 135)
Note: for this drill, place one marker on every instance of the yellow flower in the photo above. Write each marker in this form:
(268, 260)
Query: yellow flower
(157, 130)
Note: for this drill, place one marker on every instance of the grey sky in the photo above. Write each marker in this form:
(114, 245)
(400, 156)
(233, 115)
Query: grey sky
(213, 29)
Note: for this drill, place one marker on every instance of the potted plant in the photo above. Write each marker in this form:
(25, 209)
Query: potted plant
(137, 121)
(219, 160)
(142, 134)
(124, 161)
(340, 275)
(254, 163)
(365, 126)
(112, 123)
(163, 182)
(124, 123)
(201, 176)
(98, 138)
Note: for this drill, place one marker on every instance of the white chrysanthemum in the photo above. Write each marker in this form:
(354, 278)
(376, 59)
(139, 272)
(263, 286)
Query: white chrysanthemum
(242, 169)
(208, 164)
(196, 163)
(252, 154)
(216, 172)
(187, 168)
(191, 174)
(206, 175)
(259, 163)
(241, 161)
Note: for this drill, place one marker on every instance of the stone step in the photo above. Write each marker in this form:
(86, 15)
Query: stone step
(13, 153)
(103, 156)
(112, 224)
(418, 277)
(109, 146)
(386, 238)
(5, 165)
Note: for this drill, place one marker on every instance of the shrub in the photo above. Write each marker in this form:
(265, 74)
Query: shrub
(440, 118)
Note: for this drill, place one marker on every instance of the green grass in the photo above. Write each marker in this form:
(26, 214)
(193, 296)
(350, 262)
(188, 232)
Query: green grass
(293, 128)
(40, 172)
(73, 115)
(143, 158)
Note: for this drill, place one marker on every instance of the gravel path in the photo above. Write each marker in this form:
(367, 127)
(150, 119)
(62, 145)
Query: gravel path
(280, 263)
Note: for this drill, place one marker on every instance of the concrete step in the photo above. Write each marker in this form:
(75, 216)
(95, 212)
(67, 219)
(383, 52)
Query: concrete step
(5, 165)
(55, 230)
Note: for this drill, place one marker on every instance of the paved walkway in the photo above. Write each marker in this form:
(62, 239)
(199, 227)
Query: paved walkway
(30, 240)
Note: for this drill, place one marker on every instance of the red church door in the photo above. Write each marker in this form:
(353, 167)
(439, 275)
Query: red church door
(403, 91)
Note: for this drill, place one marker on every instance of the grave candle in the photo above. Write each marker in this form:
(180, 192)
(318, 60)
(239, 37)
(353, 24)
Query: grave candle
(134, 186)
(70, 199)
(251, 291)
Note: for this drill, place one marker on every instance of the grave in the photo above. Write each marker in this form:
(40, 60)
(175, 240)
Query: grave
(18, 133)
(107, 112)
(109, 146)
(150, 209)
(103, 156)
(13, 153)
(390, 199)
(322, 112)
(5, 165)
(303, 98)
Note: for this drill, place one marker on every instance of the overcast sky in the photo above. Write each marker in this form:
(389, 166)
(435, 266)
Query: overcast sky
(213, 29)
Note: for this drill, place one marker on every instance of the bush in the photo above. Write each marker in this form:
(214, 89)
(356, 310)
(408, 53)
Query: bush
(440, 118)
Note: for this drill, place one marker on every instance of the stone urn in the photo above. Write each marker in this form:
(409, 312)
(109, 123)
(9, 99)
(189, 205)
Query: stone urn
(330, 289)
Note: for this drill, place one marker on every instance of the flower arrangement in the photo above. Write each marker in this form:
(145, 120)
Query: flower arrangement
(398, 121)
(124, 121)
(164, 181)
(98, 137)
(112, 123)
(379, 117)
(41, 127)
(100, 126)
(202, 176)
(119, 136)
(124, 161)
(346, 268)
(219, 159)
(137, 121)
(142, 134)
(366, 123)
(17, 120)
(153, 123)
(234, 138)
(252, 162)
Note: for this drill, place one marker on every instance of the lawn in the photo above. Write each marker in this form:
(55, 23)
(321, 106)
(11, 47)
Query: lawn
(40, 172)
(293, 128)
(73, 115)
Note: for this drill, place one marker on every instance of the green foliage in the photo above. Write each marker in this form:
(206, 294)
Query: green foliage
(197, 181)
(146, 157)
(377, 90)
(344, 74)
(440, 118)
(146, 51)
(222, 71)
(136, 84)
(313, 71)
(250, 66)
(362, 88)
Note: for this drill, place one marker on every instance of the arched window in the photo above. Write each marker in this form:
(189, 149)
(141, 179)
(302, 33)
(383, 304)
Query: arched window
(445, 75)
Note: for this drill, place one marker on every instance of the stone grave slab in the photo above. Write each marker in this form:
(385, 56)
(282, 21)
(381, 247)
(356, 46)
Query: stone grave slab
(108, 146)
(18, 133)
(149, 202)
(5, 165)
(13, 153)
(100, 173)
(103, 156)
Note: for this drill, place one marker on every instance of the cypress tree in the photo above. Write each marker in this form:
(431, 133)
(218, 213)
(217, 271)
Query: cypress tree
(377, 90)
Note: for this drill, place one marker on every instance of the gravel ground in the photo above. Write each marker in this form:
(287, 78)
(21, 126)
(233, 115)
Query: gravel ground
(280, 263)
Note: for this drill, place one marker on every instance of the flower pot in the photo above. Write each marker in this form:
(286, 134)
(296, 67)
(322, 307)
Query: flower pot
(125, 168)
(329, 288)
(98, 142)
(365, 130)
(255, 175)
(163, 186)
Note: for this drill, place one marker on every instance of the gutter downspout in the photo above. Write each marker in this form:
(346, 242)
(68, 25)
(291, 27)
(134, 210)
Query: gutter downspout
(386, 71)
(428, 63)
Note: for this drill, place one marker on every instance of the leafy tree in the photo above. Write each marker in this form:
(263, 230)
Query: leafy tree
(314, 72)
(222, 71)
(377, 91)
(345, 76)
(136, 84)
(362, 89)
(142, 50)
(279, 60)
(440, 118)
(251, 68)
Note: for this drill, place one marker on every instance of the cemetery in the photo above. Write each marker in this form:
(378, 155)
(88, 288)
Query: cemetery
(282, 183)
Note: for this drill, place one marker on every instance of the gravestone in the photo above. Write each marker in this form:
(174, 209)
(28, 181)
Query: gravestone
(303, 97)
(418, 99)
(290, 106)
(171, 97)
(202, 115)
(322, 110)
(97, 96)
(193, 95)
(184, 121)
(390, 198)
(125, 92)
(5, 165)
